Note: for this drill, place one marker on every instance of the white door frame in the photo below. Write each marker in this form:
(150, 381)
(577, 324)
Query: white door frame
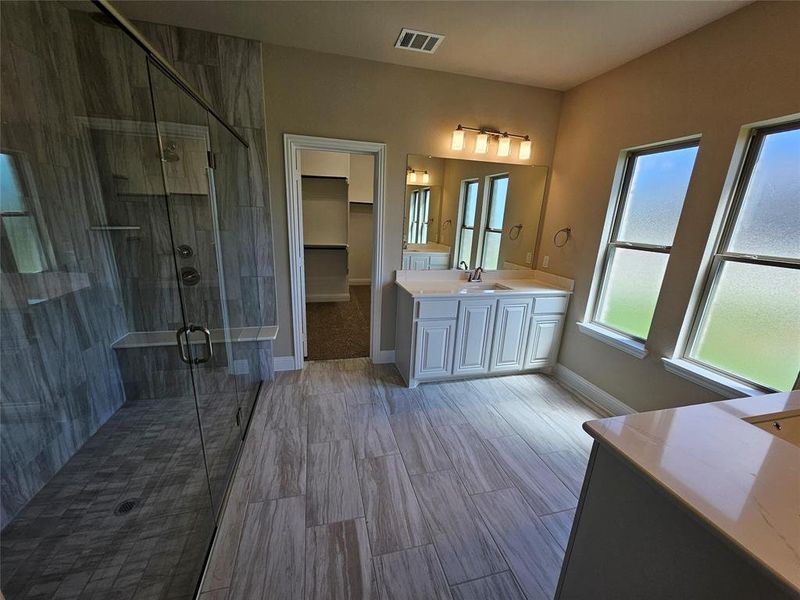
(293, 144)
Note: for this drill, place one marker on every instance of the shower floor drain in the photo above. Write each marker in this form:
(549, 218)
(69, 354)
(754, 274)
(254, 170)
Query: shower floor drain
(126, 506)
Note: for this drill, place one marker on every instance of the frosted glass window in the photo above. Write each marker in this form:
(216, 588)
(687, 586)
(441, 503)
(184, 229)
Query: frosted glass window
(748, 324)
(491, 250)
(497, 202)
(23, 239)
(470, 203)
(12, 198)
(469, 206)
(768, 223)
(465, 247)
(654, 184)
(632, 283)
(654, 199)
(751, 326)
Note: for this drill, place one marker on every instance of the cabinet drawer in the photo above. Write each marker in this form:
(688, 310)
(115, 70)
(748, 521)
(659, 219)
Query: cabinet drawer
(550, 305)
(437, 309)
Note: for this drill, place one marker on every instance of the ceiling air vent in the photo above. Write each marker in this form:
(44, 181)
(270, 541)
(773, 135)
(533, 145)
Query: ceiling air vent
(419, 41)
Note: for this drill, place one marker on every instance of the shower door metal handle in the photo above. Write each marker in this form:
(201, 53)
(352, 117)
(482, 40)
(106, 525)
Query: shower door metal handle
(209, 347)
(207, 342)
(181, 350)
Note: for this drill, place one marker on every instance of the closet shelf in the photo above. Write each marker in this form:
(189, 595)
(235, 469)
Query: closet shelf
(327, 246)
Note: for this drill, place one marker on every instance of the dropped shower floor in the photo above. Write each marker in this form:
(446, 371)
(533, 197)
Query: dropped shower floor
(69, 543)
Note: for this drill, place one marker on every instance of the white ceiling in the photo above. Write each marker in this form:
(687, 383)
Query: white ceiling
(552, 44)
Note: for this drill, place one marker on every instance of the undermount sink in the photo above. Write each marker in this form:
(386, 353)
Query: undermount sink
(785, 426)
(478, 287)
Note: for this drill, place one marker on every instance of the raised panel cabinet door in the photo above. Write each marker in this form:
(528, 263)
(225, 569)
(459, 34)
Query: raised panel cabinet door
(543, 340)
(434, 348)
(474, 336)
(421, 262)
(406, 262)
(511, 328)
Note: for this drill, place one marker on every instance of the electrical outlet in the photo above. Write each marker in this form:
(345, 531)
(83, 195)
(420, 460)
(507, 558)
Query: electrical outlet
(546, 262)
(529, 258)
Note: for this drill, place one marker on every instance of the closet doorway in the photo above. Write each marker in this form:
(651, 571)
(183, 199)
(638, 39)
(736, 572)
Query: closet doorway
(334, 202)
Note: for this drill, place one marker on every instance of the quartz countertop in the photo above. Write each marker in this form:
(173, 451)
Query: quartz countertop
(437, 284)
(742, 481)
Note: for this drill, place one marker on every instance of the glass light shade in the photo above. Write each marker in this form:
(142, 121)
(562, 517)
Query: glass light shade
(524, 149)
(412, 177)
(504, 146)
(482, 143)
(457, 143)
(426, 178)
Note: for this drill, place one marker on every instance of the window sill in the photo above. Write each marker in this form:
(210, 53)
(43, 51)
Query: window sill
(614, 339)
(725, 386)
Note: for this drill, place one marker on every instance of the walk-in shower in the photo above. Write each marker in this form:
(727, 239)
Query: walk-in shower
(133, 299)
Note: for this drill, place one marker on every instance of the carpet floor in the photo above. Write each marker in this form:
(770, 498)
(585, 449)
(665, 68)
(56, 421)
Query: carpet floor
(339, 329)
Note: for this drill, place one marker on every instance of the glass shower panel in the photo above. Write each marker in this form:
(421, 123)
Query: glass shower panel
(206, 341)
(245, 256)
(104, 485)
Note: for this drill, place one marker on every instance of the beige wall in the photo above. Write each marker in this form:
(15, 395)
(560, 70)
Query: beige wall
(412, 110)
(741, 69)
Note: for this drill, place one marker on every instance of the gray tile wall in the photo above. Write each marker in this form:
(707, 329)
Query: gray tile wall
(60, 378)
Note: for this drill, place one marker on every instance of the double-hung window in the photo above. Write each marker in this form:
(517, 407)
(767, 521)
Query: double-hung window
(747, 325)
(21, 248)
(643, 223)
(469, 206)
(419, 214)
(493, 228)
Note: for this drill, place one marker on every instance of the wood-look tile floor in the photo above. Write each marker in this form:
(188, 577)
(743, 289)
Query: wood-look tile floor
(352, 486)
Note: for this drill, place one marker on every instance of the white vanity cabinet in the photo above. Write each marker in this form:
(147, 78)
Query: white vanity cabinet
(513, 320)
(465, 335)
(435, 343)
(474, 330)
(544, 333)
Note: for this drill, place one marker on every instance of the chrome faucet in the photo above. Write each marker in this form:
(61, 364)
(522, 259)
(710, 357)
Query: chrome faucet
(476, 274)
(466, 266)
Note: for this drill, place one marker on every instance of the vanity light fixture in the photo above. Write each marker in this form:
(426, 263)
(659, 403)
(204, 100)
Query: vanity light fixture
(425, 178)
(482, 143)
(457, 141)
(411, 176)
(504, 145)
(525, 149)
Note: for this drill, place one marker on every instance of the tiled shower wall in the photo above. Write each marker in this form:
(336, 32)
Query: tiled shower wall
(60, 376)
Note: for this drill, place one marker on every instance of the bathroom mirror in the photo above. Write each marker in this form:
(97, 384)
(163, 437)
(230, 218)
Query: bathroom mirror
(468, 214)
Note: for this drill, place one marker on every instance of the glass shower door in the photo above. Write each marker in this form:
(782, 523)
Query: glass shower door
(206, 341)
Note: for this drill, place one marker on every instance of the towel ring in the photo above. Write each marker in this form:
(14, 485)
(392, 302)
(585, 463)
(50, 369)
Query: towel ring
(515, 229)
(567, 231)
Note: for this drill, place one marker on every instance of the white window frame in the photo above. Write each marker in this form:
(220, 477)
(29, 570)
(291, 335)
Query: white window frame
(619, 339)
(485, 208)
(462, 196)
(739, 173)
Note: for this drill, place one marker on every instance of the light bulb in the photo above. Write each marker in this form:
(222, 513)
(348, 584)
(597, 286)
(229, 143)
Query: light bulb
(425, 177)
(525, 150)
(504, 146)
(457, 143)
(412, 177)
(482, 143)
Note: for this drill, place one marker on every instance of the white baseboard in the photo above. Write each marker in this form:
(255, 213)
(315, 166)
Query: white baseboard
(283, 363)
(590, 393)
(366, 281)
(384, 357)
(344, 297)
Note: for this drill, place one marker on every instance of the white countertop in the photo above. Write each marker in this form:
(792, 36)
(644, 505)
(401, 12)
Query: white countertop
(437, 284)
(743, 481)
